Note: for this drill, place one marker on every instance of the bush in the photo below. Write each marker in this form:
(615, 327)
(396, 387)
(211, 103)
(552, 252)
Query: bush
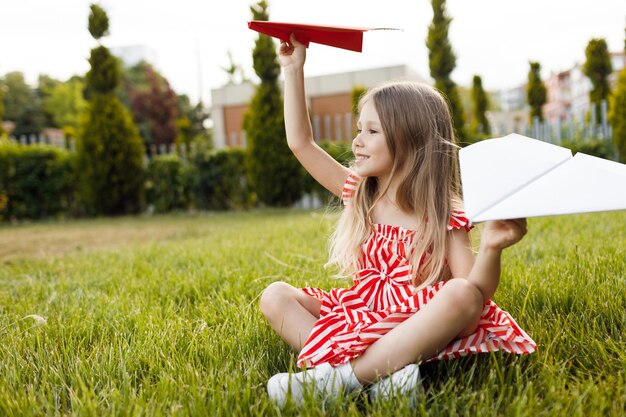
(166, 186)
(595, 147)
(110, 159)
(36, 181)
(218, 180)
(342, 153)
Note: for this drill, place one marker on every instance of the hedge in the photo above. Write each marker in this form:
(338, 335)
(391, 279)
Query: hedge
(36, 181)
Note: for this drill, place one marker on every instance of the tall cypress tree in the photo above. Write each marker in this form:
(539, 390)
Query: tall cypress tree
(536, 93)
(110, 151)
(617, 114)
(598, 68)
(274, 172)
(1, 108)
(481, 104)
(442, 62)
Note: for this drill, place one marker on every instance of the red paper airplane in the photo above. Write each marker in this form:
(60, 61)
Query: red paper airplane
(350, 38)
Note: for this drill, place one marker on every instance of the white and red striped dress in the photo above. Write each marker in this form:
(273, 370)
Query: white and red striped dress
(353, 318)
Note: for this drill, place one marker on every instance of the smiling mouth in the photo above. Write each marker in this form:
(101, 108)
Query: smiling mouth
(361, 157)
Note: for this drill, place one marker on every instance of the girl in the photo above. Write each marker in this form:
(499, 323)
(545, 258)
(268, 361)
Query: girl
(418, 292)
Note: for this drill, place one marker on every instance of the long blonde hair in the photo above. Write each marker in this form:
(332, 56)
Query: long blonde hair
(417, 125)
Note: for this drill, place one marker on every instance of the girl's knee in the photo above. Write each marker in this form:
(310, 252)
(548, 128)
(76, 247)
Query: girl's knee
(464, 296)
(274, 296)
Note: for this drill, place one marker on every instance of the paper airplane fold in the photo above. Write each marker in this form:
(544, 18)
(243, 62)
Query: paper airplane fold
(344, 37)
(516, 176)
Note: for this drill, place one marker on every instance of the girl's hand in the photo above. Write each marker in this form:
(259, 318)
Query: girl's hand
(500, 234)
(292, 54)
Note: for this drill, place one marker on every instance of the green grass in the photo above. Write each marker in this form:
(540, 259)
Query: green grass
(159, 316)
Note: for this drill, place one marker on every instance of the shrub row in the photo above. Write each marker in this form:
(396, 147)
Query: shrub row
(41, 181)
(35, 181)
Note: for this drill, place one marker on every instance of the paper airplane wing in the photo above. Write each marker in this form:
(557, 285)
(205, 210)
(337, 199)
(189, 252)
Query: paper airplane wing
(582, 184)
(494, 169)
(515, 177)
(350, 38)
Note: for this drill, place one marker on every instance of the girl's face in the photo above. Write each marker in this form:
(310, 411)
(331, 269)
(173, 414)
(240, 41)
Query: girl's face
(373, 158)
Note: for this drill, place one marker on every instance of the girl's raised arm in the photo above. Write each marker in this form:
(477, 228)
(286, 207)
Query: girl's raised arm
(328, 172)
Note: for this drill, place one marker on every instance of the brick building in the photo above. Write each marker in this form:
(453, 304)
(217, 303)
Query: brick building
(328, 99)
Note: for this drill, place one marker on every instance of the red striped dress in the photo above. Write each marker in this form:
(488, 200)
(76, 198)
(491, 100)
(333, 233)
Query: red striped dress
(381, 297)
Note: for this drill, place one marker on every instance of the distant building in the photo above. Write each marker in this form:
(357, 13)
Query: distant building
(133, 55)
(328, 100)
(567, 98)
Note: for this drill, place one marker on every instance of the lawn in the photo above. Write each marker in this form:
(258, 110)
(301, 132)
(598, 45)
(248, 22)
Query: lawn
(159, 316)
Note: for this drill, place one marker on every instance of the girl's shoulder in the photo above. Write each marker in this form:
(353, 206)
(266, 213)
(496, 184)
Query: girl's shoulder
(459, 221)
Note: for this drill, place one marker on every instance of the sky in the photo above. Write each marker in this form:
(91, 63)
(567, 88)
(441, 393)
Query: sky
(191, 39)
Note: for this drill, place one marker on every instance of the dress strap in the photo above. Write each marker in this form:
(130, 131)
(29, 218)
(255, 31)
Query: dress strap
(349, 188)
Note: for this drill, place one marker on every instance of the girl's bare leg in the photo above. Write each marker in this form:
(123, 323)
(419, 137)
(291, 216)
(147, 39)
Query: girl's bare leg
(453, 312)
(290, 312)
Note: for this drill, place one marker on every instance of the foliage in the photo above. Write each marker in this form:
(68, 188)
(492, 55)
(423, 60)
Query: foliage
(617, 115)
(442, 62)
(110, 159)
(36, 181)
(602, 148)
(480, 102)
(536, 93)
(355, 95)
(98, 22)
(45, 85)
(66, 104)
(165, 185)
(109, 150)
(197, 115)
(342, 153)
(597, 68)
(22, 105)
(161, 317)
(274, 172)
(154, 109)
(104, 74)
(218, 180)
(1, 108)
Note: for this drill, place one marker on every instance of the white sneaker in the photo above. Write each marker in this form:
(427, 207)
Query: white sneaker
(323, 380)
(403, 383)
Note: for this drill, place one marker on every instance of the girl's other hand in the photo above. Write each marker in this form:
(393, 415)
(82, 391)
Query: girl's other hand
(292, 54)
(500, 234)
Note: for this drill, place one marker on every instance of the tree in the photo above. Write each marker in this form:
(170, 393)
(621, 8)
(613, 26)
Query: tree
(355, 96)
(45, 85)
(155, 109)
(597, 68)
(480, 105)
(617, 113)
(1, 109)
(536, 92)
(66, 105)
(274, 172)
(109, 149)
(442, 62)
(22, 105)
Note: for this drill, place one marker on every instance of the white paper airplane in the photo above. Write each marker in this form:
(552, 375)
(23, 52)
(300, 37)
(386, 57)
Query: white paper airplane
(515, 176)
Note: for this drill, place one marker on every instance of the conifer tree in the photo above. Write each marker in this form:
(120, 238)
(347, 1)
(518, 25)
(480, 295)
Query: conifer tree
(109, 149)
(617, 114)
(1, 109)
(442, 62)
(597, 68)
(481, 104)
(536, 93)
(274, 172)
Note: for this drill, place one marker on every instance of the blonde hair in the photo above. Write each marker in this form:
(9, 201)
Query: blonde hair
(417, 125)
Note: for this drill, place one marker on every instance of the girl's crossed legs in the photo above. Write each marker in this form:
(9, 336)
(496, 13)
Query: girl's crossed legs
(452, 313)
